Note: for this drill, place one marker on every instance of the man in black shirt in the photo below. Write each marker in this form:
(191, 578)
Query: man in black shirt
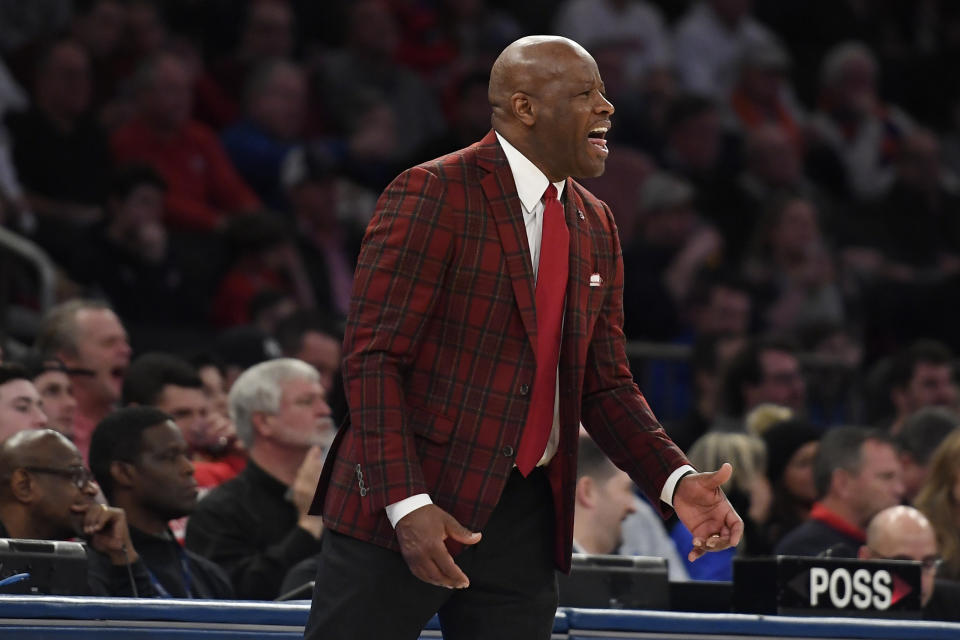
(141, 461)
(46, 494)
(256, 526)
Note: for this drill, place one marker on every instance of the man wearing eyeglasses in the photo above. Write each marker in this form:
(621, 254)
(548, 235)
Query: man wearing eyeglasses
(47, 494)
(903, 533)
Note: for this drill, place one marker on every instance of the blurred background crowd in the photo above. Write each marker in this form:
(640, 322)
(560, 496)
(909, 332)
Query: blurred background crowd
(785, 177)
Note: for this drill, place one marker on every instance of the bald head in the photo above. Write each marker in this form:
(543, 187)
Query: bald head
(526, 64)
(36, 447)
(903, 533)
(548, 100)
(890, 529)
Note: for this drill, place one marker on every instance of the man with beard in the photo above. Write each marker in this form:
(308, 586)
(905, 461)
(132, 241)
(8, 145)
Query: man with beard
(88, 337)
(141, 461)
(249, 525)
(47, 494)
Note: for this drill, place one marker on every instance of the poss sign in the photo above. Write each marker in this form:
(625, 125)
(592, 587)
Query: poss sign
(827, 586)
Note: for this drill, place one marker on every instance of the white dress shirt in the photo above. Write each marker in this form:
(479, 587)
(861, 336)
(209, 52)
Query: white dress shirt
(531, 183)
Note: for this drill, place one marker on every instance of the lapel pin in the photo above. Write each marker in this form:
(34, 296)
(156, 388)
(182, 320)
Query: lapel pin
(580, 214)
(596, 280)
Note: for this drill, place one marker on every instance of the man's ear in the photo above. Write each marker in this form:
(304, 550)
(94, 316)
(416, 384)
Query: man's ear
(262, 423)
(22, 486)
(122, 473)
(585, 491)
(523, 108)
(840, 482)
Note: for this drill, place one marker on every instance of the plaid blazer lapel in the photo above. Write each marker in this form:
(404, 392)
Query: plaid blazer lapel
(504, 203)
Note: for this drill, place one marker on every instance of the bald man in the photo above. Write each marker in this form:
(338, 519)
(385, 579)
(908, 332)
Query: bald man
(903, 533)
(47, 494)
(486, 324)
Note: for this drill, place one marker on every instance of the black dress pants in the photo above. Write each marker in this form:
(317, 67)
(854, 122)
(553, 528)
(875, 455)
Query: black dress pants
(366, 592)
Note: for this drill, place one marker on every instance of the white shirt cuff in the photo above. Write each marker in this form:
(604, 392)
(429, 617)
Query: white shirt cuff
(397, 510)
(666, 494)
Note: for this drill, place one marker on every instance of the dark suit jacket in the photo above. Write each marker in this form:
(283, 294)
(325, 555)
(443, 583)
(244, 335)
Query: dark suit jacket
(439, 356)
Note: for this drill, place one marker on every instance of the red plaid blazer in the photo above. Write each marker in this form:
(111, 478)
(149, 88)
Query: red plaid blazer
(439, 357)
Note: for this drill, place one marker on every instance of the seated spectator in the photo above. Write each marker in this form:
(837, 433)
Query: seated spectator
(248, 525)
(328, 236)
(939, 501)
(98, 25)
(903, 533)
(20, 404)
(88, 337)
(266, 33)
(604, 498)
(912, 226)
(132, 258)
(141, 462)
(366, 73)
(672, 246)
(202, 185)
(275, 105)
(627, 38)
(48, 494)
(469, 117)
(773, 167)
(52, 381)
(791, 268)
(764, 371)
(269, 307)
(211, 372)
(605, 518)
(919, 438)
(709, 42)
(240, 348)
(173, 386)
(60, 151)
(711, 355)
(836, 381)
(762, 94)
(315, 338)
(748, 492)
(922, 376)
(854, 125)
(791, 450)
(262, 256)
(857, 475)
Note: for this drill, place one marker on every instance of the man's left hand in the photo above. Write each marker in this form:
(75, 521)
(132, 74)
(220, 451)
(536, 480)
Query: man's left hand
(705, 511)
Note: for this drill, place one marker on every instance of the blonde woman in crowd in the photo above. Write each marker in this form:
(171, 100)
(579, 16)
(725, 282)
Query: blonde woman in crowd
(748, 490)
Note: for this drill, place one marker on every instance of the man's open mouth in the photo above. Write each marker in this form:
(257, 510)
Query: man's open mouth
(598, 138)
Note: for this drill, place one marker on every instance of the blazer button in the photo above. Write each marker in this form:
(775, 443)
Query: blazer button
(524, 389)
(507, 451)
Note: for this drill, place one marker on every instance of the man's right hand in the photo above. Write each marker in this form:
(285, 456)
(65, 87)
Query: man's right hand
(421, 534)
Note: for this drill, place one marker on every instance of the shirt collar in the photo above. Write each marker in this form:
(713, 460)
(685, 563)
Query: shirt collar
(530, 181)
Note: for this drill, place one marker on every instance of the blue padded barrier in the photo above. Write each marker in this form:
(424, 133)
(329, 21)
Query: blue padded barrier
(707, 625)
(82, 618)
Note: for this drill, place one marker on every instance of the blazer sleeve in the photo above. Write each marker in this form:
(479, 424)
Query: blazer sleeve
(615, 413)
(399, 278)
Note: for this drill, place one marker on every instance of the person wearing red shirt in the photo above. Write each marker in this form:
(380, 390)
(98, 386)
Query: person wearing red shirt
(203, 185)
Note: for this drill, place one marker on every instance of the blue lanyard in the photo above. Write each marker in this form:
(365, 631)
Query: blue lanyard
(184, 574)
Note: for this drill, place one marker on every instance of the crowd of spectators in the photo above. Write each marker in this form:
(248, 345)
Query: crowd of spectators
(201, 174)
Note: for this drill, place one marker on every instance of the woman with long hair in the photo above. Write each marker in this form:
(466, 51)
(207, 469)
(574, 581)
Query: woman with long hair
(939, 500)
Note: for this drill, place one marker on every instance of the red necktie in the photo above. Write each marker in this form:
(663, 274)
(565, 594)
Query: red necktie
(551, 288)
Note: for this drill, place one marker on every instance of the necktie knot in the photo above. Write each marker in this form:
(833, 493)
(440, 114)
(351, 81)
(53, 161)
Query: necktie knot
(550, 193)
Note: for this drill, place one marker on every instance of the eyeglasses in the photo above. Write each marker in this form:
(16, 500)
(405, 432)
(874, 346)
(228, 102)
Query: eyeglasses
(930, 563)
(79, 476)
